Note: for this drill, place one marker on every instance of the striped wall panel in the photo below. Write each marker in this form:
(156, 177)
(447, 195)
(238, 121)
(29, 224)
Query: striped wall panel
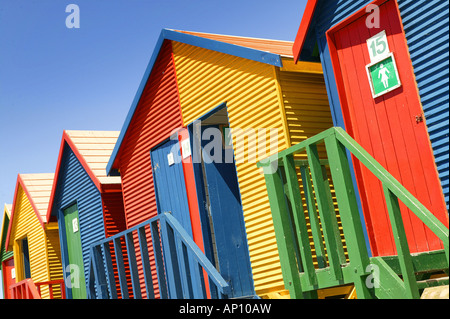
(426, 25)
(26, 224)
(156, 116)
(75, 186)
(208, 78)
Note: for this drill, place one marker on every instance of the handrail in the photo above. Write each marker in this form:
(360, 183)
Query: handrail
(180, 265)
(200, 257)
(337, 143)
(24, 289)
(394, 186)
(50, 285)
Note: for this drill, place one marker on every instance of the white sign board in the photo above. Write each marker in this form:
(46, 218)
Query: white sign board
(170, 159)
(75, 225)
(186, 148)
(378, 47)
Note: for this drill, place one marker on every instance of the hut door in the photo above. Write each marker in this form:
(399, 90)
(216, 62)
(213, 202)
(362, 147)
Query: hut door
(75, 255)
(226, 216)
(171, 195)
(169, 182)
(390, 125)
(220, 201)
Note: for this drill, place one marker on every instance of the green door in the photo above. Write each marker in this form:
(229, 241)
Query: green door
(73, 237)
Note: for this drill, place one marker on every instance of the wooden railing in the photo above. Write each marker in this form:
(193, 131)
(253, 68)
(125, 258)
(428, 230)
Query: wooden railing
(24, 289)
(61, 294)
(180, 267)
(300, 276)
(27, 289)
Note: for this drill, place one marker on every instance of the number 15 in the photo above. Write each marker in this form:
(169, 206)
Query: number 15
(375, 46)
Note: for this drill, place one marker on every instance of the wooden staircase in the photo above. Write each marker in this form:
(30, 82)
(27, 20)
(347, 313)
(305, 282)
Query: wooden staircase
(338, 262)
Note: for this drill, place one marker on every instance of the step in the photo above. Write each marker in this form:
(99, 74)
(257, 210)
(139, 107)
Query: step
(442, 281)
(441, 292)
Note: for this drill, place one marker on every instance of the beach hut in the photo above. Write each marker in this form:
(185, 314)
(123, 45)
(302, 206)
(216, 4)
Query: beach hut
(86, 204)
(34, 240)
(6, 257)
(235, 100)
(386, 72)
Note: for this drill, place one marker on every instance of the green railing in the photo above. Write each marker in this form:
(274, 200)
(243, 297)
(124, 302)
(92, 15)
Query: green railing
(301, 276)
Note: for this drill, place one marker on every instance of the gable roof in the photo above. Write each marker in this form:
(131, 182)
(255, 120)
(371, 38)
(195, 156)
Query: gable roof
(3, 231)
(260, 50)
(37, 188)
(93, 150)
(303, 30)
(280, 47)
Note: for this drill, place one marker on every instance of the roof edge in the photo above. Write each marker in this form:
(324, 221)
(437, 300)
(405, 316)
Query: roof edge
(168, 34)
(303, 29)
(20, 183)
(66, 139)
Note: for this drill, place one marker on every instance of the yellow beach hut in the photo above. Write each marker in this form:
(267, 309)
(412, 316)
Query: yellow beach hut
(34, 240)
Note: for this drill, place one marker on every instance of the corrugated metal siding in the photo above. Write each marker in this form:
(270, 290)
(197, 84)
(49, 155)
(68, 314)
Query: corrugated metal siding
(427, 34)
(114, 213)
(26, 223)
(206, 79)
(156, 116)
(96, 148)
(75, 185)
(307, 113)
(54, 259)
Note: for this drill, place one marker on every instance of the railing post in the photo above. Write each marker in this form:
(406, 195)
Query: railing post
(171, 260)
(283, 233)
(135, 283)
(146, 263)
(159, 261)
(333, 241)
(100, 275)
(299, 220)
(401, 243)
(313, 218)
(109, 270)
(121, 268)
(348, 207)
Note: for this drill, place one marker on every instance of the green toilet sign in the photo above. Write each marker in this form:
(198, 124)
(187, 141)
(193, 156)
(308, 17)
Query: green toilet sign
(382, 71)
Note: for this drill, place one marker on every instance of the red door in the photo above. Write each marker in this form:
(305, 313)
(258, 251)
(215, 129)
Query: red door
(8, 276)
(387, 128)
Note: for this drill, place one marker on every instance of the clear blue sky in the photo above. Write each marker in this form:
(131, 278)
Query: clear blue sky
(53, 78)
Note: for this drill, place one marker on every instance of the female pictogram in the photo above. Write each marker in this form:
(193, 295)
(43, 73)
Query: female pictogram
(383, 73)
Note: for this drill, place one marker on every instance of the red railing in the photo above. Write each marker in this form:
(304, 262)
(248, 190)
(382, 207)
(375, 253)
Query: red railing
(24, 289)
(50, 285)
(27, 289)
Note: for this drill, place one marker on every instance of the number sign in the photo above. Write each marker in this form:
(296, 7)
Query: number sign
(378, 47)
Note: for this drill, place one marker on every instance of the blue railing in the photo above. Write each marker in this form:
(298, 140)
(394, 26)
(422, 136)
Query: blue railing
(155, 259)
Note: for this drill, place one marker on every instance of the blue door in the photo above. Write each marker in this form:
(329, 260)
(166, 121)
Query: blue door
(169, 183)
(171, 198)
(227, 219)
